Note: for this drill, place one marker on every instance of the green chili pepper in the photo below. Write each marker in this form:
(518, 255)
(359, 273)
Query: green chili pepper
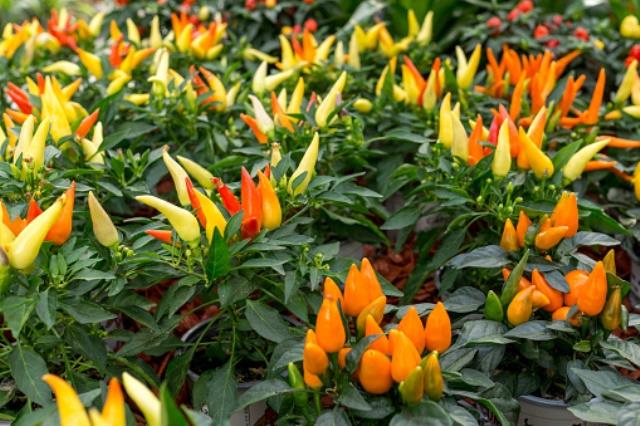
(493, 309)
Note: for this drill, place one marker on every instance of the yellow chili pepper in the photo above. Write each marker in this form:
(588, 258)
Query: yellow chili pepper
(207, 211)
(433, 380)
(374, 309)
(146, 401)
(445, 125)
(329, 328)
(199, 173)
(71, 410)
(426, 30)
(411, 325)
(576, 164)
(501, 163)
(467, 70)
(460, 143)
(314, 358)
(307, 165)
(374, 373)
(103, 228)
(609, 261)
(179, 176)
(404, 356)
(328, 104)
(91, 62)
(521, 307)
(363, 105)
(540, 164)
(23, 250)
(611, 315)
(438, 329)
(185, 224)
(509, 240)
(624, 90)
(295, 102)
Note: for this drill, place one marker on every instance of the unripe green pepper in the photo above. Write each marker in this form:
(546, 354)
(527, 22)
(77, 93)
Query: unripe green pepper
(5, 271)
(296, 381)
(493, 309)
(611, 315)
(412, 388)
(433, 380)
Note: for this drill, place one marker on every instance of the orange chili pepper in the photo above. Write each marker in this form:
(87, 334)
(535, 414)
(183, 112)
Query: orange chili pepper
(160, 234)
(476, 153)
(331, 288)
(521, 229)
(576, 279)
(329, 328)
(34, 210)
(593, 294)
(548, 239)
(374, 309)
(411, 326)
(555, 297)
(370, 280)
(524, 283)
(566, 213)
(342, 357)
(314, 359)
(375, 372)
(61, 230)
(509, 240)
(438, 329)
(87, 123)
(595, 165)
(372, 328)
(562, 314)
(521, 306)
(355, 297)
(404, 356)
(621, 143)
(590, 116)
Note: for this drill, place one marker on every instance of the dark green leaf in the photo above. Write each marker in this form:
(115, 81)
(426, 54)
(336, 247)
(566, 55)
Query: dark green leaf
(27, 369)
(218, 262)
(266, 321)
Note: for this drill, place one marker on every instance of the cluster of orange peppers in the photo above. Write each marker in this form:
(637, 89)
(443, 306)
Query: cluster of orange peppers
(388, 359)
(563, 223)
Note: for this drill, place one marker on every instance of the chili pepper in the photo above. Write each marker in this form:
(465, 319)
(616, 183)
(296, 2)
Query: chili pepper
(70, 408)
(375, 372)
(279, 114)
(516, 98)
(328, 104)
(375, 309)
(467, 70)
(555, 297)
(271, 211)
(296, 100)
(620, 143)
(412, 388)
(578, 161)
(363, 105)
(566, 213)
(185, 224)
(509, 240)
(311, 380)
(371, 328)
(342, 357)
(476, 152)
(433, 380)
(610, 317)
(91, 62)
(251, 206)
(103, 228)
(576, 279)
(548, 239)
(438, 329)
(306, 167)
(208, 213)
(590, 116)
(539, 299)
(370, 280)
(445, 129)
(253, 125)
(609, 262)
(161, 235)
(540, 164)
(329, 328)
(23, 250)
(314, 359)
(331, 288)
(501, 163)
(113, 411)
(522, 227)
(34, 210)
(593, 294)
(145, 400)
(460, 143)
(411, 326)
(296, 381)
(199, 173)
(229, 200)
(493, 309)
(404, 356)
(521, 307)
(562, 314)
(178, 174)
(355, 296)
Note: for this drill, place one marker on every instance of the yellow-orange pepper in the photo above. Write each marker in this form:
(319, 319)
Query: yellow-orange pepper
(331, 288)
(61, 230)
(433, 380)
(593, 294)
(329, 328)
(576, 279)
(548, 239)
(411, 325)
(404, 356)
(541, 284)
(521, 307)
(375, 372)
(521, 229)
(314, 358)
(562, 314)
(355, 297)
(509, 240)
(566, 213)
(372, 328)
(374, 309)
(438, 329)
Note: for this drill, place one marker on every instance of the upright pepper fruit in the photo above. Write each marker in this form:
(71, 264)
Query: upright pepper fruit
(411, 326)
(433, 380)
(438, 329)
(296, 381)
(61, 230)
(521, 229)
(566, 213)
(372, 328)
(501, 163)
(374, 373)
(576, 279)
(179, 176)
(229, 200)
(103, 228)
(329, 328)
(314, 358)
(493, 309)
(521, 307)
(371, 282)
(412, 388)
(593, 294)
(271, 210)
(306, 167)
(355, 296)
(404, 356)
(145, 400)
(331, 288)
(509, 240)
(207, 212)
(70, 408)
(611, 314)
(251, 206)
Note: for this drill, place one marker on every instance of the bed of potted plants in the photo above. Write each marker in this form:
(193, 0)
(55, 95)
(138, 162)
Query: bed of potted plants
(202, 206)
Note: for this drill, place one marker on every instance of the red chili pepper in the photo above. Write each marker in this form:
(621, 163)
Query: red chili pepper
(251, 205)
(494, 24)
(33, 211)
(581, 33)
(158, 234)
(41, 82)
(229, 200)
(267, 171)
(525, 6)
(87, 123)
(540, 31)
(195, 203)
(311, 25)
